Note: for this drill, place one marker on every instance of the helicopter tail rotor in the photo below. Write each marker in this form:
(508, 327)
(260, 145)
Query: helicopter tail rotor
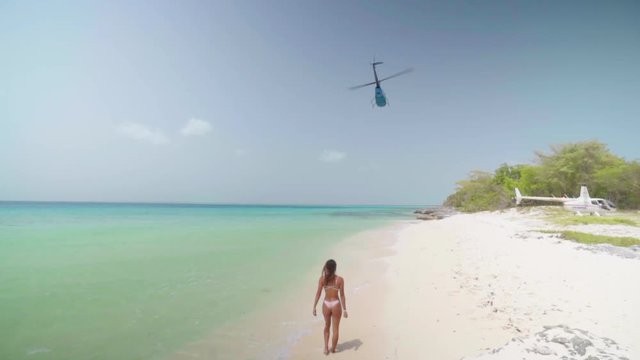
(374, 62)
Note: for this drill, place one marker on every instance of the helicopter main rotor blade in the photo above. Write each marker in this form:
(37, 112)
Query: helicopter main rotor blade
(361, 86)
(397, 74)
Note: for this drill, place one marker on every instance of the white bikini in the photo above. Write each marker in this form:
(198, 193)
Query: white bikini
(332, 303)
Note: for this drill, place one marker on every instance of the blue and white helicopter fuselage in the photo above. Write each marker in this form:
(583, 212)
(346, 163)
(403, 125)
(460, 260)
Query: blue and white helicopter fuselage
(381, 100)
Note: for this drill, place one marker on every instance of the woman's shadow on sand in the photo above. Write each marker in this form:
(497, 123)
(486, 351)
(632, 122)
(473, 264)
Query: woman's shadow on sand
(348, 345)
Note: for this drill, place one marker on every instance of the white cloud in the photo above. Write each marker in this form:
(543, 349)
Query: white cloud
(196, 127)
(142, 133)
(332, 156)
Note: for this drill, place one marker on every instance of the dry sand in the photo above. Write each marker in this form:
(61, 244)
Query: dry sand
(483, 286)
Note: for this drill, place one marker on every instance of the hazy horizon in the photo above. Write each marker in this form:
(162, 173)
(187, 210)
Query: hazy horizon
(247, 103)
(196, 204)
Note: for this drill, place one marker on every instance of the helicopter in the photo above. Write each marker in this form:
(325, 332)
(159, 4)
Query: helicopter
(583, 203)
(380, 97)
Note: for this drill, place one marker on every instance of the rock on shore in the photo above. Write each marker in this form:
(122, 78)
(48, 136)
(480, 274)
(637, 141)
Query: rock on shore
(436, 213)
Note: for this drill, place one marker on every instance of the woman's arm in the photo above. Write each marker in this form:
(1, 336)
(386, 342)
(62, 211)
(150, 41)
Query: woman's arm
(318, 292)
(344, 299)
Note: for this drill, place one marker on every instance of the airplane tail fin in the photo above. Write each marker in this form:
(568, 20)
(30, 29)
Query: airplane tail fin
(518, 197)
(584, 193)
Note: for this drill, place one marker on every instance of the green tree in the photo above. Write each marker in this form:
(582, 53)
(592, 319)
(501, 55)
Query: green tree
(620, 183)
(530, 181)
(570, 165)
(559, 172)
(507, 176)
(479, 192)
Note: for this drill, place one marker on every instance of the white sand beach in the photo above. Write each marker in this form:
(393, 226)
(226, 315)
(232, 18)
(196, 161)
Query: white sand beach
(484, 286)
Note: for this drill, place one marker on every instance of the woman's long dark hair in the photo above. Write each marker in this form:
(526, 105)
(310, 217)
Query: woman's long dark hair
(329, 271)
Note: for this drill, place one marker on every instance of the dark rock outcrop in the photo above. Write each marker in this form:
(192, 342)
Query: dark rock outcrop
(436, 213)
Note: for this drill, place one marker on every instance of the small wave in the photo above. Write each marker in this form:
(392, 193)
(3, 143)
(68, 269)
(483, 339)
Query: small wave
(292, 340)
(37, 351)
(371, 214)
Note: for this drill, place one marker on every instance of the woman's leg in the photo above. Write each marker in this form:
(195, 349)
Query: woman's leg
(327, 324)
(336, 314)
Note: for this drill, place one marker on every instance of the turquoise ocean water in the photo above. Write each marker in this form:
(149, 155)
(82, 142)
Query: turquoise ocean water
(139, 281)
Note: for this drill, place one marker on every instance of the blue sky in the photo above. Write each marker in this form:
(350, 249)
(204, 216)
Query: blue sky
(247, 101)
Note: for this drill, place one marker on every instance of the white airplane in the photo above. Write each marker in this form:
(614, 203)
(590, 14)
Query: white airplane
(584, 203)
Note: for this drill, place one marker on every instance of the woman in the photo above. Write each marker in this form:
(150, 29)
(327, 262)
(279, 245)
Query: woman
(333, 306)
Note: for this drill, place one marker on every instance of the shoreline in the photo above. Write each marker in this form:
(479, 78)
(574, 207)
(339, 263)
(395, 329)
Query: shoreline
(276, 330)
(364, 262)
(464, 286)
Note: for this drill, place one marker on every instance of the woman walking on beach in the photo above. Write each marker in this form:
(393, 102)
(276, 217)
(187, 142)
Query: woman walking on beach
(332, 306)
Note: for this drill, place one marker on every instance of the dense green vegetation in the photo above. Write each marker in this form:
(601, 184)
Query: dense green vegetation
(586, 220)
(559, 172)
(592, 239)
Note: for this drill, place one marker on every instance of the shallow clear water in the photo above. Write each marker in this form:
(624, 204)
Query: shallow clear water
(116, 281)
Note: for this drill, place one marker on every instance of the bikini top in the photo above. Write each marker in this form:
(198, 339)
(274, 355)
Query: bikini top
(334, 286)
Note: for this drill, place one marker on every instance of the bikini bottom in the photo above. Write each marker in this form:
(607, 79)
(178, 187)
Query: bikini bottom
(331, 303)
